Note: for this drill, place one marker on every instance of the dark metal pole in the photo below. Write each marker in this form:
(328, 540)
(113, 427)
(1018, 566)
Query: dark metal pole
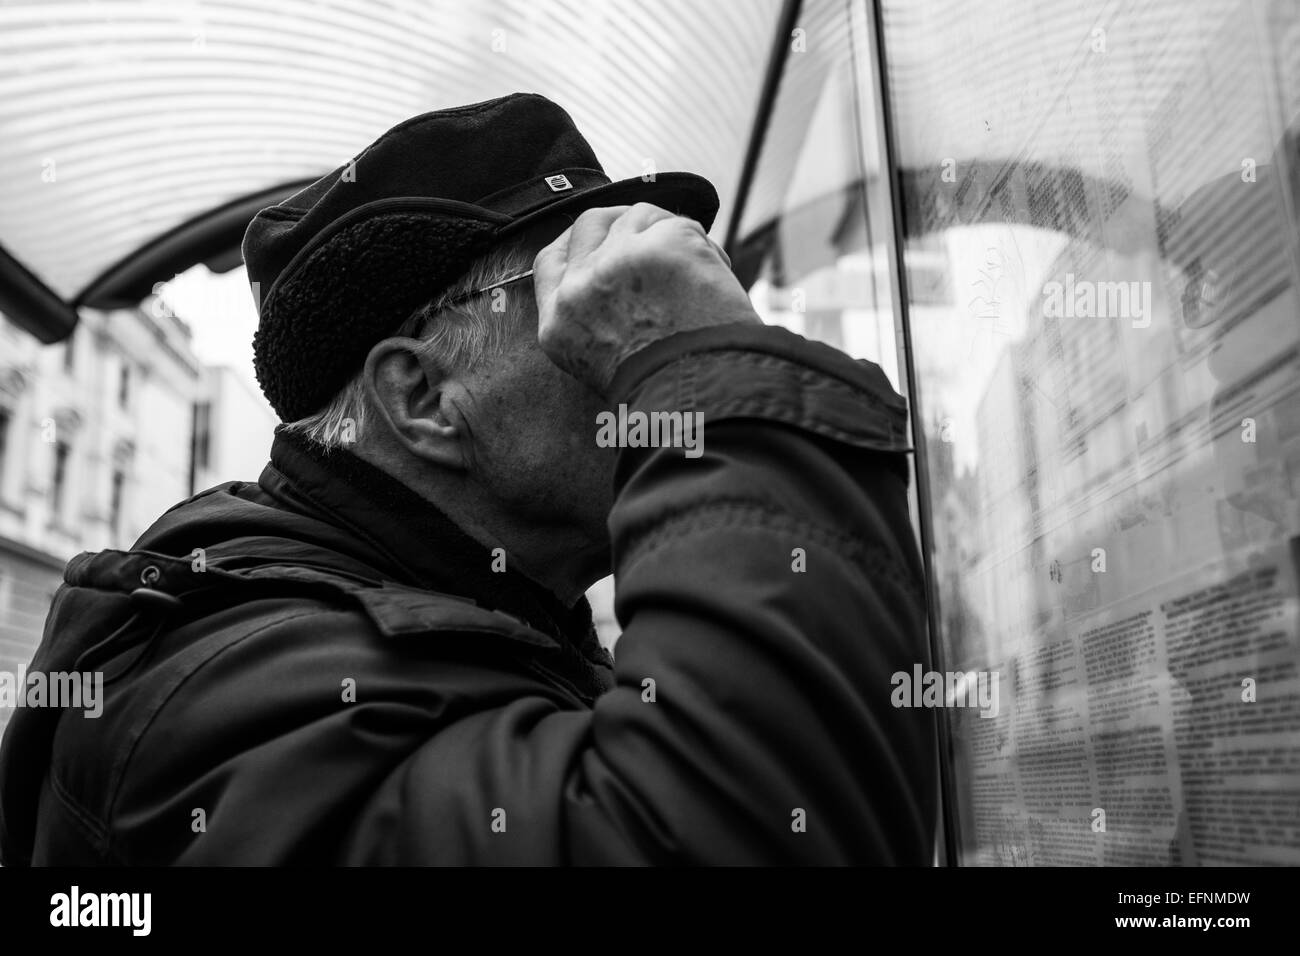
(762, 115)
(893, 170)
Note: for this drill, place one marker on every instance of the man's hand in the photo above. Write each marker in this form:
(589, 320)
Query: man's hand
(623, 277)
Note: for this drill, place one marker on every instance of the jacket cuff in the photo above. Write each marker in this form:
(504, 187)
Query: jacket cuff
(745, 370)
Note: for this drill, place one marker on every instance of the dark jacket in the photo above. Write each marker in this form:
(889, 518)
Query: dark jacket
(320, 668)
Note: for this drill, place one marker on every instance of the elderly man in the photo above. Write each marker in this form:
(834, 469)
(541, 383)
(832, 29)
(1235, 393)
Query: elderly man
(381, 653)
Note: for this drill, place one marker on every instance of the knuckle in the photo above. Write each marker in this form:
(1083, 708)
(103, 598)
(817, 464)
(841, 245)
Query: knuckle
(602, 212)
(544, 257)
(691, 225)
(567, 297)
(588, 216)
(679, 225)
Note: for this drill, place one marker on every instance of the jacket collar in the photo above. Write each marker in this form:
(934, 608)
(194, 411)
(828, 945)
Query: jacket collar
(420, 545)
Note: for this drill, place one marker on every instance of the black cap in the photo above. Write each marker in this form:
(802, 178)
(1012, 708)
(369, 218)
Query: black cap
(342, 263)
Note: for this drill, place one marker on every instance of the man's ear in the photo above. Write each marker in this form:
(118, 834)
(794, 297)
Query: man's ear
(408, 392)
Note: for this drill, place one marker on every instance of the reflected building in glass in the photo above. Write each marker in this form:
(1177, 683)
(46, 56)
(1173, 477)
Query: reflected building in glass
(1123, 208)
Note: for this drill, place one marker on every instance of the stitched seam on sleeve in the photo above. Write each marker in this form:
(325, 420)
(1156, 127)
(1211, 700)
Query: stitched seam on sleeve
(685, 395)
(767, 410)
(805, 376)
(749, 514)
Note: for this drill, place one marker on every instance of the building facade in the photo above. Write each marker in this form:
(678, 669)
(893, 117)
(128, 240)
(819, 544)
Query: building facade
(95, 440)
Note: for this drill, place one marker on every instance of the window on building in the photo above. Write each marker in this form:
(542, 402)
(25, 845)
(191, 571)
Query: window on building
(124, 384)
(61, 454)
(202, 434)
(115, 501)
(6, 417)
(200, 442)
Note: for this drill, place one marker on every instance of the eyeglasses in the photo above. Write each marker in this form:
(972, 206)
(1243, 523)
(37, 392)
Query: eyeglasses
(465, 296)
(488, 288)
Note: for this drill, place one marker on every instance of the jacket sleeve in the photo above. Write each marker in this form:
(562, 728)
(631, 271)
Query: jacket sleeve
(768, 589)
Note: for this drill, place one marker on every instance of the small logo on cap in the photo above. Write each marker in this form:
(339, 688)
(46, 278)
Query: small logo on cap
(558, 183)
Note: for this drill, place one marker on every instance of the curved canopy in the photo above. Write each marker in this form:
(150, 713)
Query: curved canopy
(138, 136)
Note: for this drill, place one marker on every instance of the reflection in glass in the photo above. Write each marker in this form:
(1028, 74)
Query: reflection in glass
(1111, 408)
(817, 218)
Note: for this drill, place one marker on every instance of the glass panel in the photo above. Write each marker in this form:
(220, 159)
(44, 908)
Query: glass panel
(816, 227)
(1103, 193)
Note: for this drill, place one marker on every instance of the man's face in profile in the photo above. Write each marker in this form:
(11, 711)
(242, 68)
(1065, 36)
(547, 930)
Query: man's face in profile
(532, 429)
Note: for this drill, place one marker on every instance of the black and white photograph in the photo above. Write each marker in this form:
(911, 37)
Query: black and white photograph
(704, 434)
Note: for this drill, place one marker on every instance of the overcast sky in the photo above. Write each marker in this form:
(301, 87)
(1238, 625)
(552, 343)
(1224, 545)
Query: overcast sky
(219, 308)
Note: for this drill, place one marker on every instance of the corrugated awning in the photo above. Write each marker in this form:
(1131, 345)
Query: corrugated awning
(127, 122)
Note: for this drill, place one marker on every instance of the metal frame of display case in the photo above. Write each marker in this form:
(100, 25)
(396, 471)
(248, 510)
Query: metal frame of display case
(946, 842)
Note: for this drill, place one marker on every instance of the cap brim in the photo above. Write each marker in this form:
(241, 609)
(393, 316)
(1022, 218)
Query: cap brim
(682, 193)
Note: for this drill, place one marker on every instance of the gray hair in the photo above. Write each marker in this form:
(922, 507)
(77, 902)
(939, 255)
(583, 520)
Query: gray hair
(458, 334)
